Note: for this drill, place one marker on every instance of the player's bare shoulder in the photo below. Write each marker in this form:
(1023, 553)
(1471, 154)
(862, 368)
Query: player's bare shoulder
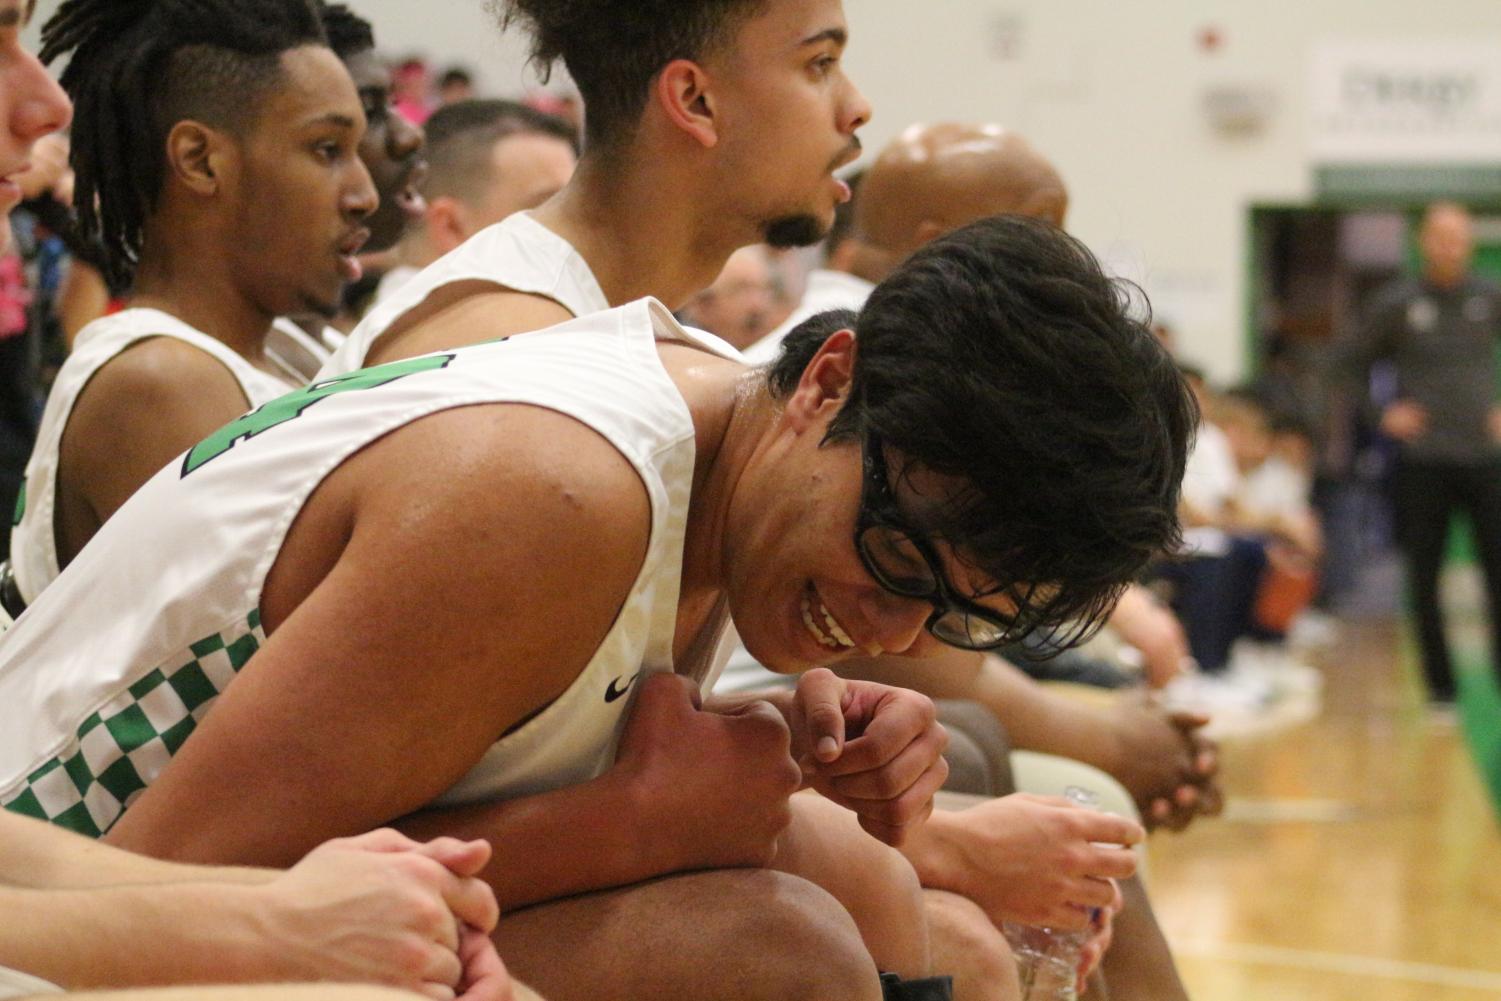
(517, 486)
(163, 372)
(145, 405)
(462, 314)
(480, 535)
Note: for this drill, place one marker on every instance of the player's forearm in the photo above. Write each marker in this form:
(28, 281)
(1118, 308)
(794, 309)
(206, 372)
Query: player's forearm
(591, 836)
(43, 856)
(936, 854)
(1039, 720)
(129, 936)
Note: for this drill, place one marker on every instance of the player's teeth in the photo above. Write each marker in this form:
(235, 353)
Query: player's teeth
(834, 628)
(823, 638)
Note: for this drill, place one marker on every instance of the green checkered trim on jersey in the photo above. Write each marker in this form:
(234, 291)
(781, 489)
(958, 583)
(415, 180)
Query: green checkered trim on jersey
(123, 747)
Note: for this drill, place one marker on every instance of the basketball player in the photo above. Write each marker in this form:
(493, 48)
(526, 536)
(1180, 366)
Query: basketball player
(385, 572)
(191, 119)
(731, 139)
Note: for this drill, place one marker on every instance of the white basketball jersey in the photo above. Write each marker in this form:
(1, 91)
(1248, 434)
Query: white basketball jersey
(171, 587)
(33, 547)
(14, 984)
(518, 253)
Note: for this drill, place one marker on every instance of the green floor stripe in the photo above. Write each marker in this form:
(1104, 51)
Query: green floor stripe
(1479, 697)
(1480, 712)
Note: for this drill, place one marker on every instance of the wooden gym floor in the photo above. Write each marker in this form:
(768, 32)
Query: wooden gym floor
(1359, 856)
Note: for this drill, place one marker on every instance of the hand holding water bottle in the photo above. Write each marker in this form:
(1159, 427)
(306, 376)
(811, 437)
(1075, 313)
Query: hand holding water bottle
(1053, 962)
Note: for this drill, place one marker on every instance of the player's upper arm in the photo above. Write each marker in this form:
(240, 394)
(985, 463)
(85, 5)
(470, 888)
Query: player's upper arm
(489, 550)
(138, 412)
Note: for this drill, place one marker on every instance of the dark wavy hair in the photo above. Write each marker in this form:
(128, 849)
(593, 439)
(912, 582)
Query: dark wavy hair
(614, 48)
(1003, 356)
(137, 68)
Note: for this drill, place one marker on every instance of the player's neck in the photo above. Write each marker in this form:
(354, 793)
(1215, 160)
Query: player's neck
(200, 291)
(731, 420)
(643, 233)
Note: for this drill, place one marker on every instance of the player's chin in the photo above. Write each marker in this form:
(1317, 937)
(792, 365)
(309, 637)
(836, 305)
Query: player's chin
(779, 645)
(800, 229)
(324, 301)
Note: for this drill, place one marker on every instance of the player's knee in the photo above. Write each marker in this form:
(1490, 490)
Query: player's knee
(990, 961)
(968, 947)
(889, 898)
(806, 943)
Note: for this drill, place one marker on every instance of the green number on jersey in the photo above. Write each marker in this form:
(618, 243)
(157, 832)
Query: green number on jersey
(20, 513)
(292, 406)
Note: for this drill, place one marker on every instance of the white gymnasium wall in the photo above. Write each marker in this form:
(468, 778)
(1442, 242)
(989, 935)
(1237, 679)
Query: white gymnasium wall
(1112, 91)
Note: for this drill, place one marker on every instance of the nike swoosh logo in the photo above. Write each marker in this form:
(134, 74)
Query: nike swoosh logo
(616, 691)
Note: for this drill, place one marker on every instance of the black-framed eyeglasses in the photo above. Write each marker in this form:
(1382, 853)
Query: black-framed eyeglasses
(905, 563)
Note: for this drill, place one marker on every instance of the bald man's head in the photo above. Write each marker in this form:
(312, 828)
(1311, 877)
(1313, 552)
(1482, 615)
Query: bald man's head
(933, 179)
(1447, 241)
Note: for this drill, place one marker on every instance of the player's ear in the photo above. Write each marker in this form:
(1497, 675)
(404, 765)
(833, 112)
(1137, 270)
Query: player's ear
(447, 223)
(824, 384)
(199, 157)
(682, 93)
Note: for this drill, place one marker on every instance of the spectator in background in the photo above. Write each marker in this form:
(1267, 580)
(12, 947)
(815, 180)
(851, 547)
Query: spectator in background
(412, 82)
(1250, 565)
(1439, 331)
(1272, 503)
(456, 84)
(739, 304)
(1271, 497)
(568, 107)
(1165, 336)
(1213, 584)
(20, 399)
(486, 160)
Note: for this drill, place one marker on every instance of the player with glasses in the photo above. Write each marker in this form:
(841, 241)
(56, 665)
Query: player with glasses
(906, 563)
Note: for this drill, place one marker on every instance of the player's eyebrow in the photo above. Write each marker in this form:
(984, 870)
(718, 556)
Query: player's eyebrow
(836, 35)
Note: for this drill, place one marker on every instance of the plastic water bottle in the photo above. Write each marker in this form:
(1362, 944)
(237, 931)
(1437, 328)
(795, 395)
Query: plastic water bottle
(1047, 961)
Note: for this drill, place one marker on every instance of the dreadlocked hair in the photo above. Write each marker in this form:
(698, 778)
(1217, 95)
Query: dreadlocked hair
(613, 49)
(137, 68)
(348, 33)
